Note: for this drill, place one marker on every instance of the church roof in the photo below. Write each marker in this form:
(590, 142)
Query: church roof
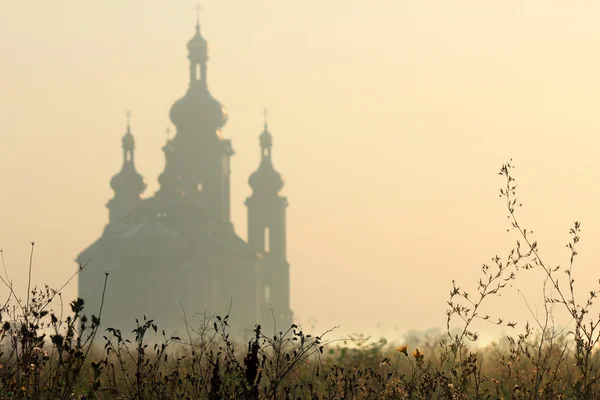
(85, 256)
(150, 228)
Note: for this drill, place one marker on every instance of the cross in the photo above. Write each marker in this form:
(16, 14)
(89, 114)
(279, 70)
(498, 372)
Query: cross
(198, 8)
(265, 113)
(128, 115)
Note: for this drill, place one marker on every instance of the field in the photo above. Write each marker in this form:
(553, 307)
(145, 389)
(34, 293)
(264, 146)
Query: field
(48, 356)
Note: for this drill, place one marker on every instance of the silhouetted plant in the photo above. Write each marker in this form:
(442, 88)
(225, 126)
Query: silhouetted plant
(46, 355)
(31, 366)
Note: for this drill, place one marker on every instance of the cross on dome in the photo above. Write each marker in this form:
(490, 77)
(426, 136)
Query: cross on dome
(266, 140)
(198, 8)
(266, 114)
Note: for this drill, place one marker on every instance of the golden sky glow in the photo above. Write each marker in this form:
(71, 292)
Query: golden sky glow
(390, 122)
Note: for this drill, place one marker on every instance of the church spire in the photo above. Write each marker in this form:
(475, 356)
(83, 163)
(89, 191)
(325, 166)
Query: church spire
(266, 180)
(198, 8)
(128, 184)
(128, 141)
(197, 159)
(266, 113)
(198, 109)
(198, 55)
(267, 232)
(266, 139)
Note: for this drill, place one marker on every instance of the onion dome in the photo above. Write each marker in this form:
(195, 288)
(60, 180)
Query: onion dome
(266, 139)
(198, 44)
(128, 141)
(128, 180)
(266, 180)
(198, 108)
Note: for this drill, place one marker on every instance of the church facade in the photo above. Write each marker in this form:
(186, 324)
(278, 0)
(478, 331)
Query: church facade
(178, 249)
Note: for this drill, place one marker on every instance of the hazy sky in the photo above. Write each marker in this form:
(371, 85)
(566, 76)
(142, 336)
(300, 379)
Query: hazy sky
(390, 122)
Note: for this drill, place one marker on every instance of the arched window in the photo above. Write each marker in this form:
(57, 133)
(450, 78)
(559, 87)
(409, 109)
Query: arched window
(267, 239)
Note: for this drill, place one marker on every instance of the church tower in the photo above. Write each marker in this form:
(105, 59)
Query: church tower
(267, 233)
(128, 185)
(197, 158)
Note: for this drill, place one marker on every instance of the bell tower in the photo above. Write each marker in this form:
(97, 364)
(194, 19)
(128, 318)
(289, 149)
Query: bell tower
(128, 184)
(267, 234)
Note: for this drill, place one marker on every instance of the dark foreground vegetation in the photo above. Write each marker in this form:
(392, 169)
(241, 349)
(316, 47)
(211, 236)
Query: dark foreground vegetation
(46, 356)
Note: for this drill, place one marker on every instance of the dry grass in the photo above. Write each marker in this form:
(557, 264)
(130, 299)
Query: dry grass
(48, 356)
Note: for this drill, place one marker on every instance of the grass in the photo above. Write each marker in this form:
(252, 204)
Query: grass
(49, 356)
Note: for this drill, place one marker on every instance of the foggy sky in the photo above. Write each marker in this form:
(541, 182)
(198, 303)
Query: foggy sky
(390, 121)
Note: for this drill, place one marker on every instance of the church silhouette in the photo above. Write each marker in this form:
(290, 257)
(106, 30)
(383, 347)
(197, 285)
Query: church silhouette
(178, 247)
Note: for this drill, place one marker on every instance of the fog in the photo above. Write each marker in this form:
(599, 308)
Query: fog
(390, 122)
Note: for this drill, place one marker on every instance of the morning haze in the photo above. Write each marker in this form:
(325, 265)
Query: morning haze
(390, 121)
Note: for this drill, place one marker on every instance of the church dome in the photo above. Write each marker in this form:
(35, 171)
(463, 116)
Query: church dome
(128, 180)
(198, 108)
(266, 139)
(197, 42)
(128, 141)
(266, 179)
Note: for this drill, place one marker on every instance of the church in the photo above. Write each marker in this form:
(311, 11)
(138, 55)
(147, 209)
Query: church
(178, 249)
